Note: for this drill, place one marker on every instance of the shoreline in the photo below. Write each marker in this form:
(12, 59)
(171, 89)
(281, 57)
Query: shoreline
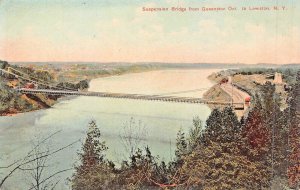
(40, 104)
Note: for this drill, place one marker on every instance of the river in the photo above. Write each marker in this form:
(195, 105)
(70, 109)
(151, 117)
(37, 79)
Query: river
(156, 122)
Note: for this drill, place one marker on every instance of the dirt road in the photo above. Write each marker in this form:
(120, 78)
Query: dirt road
(237, 95)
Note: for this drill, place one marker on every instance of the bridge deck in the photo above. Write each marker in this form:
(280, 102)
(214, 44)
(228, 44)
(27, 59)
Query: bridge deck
(126, 96)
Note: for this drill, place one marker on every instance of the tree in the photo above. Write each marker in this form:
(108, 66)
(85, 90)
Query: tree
(35, 162)
(213, 125)
(181, 144)
(222, 126)
(92, 151)
(209, 167)
(3, 64)
(94, 171)
(83, 84)
(220, 161)
(256, 132)
(133, 136)
(195, 133)
(267, 131)
(293, 172)
(37, 169)
(140, 173)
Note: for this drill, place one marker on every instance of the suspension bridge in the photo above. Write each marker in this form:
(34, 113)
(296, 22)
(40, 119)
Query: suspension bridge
(51, 89)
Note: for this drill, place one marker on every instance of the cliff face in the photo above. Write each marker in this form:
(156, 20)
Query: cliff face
(12, 102)
(217, 94)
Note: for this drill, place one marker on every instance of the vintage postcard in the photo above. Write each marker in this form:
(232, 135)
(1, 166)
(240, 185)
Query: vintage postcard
(149, 94)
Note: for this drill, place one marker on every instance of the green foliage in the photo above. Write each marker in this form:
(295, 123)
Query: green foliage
(140, 172)
(3, 64)
(5, 98)
(10, 100)
(209, 167)
(293, 123)
(222, 126)
(93, 149)
(92, 157)
(181, 144)
(218, 161)
(80, 85)
(266, 133)
(41, 75)
(194, 137)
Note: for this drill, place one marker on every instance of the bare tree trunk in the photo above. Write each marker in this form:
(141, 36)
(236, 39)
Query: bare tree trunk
(35, 163)
(132, 136)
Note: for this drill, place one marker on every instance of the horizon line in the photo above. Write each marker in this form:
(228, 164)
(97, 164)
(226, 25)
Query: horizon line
(151, 62)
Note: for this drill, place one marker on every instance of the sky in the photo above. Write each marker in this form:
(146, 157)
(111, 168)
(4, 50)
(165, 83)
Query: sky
(119, 31)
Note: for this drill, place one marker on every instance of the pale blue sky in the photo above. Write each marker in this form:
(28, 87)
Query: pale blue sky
(77, 30)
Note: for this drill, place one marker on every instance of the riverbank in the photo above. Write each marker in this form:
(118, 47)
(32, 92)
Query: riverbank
(36, 102)
(13, 103)
(216, 93)
(89, 72)
(250, 82)
(227, 91)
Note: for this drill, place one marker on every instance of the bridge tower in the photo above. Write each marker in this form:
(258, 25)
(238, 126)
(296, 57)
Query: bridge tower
(277, 78)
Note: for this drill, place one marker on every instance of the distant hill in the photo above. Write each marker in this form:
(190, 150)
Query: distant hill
(163, 65)
(291, 65)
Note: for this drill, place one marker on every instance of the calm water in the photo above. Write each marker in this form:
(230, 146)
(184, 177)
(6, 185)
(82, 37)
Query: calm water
(160, 120)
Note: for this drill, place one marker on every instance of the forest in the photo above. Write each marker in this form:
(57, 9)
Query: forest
(259, 151)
